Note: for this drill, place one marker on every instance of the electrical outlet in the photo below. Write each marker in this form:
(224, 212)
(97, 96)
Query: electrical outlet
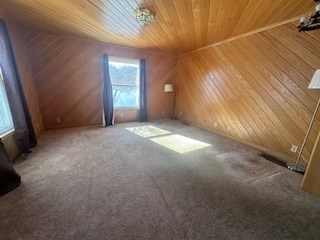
(180, 113)
(294, 148)
(58, 120)
(215, 124)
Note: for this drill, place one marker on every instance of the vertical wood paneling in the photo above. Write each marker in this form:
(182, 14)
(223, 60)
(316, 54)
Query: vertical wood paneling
(254, 89)
(68, 76)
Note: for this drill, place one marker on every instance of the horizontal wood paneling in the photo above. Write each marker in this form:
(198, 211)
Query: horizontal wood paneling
(68, 76)
(179, 25)
(254, 89)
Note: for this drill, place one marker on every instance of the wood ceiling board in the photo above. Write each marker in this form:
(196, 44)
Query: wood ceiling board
(180, 26)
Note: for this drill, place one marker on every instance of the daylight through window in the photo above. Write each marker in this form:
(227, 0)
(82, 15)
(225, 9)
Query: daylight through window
(6, 123)
(124, 74)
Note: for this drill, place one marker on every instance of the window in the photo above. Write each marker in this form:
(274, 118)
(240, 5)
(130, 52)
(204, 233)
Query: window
(6, 123)
(124, 74)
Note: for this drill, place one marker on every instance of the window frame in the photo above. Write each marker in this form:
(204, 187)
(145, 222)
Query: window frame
(129, 61)
(11, 129)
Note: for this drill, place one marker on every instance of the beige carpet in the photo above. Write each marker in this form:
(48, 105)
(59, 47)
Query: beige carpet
(123, 182)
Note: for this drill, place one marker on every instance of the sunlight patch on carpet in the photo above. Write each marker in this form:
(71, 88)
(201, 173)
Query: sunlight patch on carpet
(180, 143)
(148, 131)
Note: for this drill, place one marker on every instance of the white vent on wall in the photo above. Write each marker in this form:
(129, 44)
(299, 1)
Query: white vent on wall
(315, 81)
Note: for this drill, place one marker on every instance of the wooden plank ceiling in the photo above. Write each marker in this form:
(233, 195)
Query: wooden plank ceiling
(180, 25)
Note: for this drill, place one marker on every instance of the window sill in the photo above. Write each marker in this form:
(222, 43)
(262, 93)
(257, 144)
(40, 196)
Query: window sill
(7, 134)
(124, 108)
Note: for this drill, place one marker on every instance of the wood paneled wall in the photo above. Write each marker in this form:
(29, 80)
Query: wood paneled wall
(26, 75)
(126, 115)
(68, 75)
(254, 89)
(27, 81)
(311, 179)
(10, 145)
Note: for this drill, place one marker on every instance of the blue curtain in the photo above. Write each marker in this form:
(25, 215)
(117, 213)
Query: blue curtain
(24, 133)
(107, 93)
(9, 179)
(143, 114)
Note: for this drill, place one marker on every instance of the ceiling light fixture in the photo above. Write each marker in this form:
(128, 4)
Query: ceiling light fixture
(312, 22)
(144, 16)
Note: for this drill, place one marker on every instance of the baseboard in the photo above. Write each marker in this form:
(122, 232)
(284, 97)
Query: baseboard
(282, 157)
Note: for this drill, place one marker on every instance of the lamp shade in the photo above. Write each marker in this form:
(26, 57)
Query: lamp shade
(315, 81)
(168, 88)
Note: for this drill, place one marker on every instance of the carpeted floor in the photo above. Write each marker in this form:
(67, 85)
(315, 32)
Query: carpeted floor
(117, 183)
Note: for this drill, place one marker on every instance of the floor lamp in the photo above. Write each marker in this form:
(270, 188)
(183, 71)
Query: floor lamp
(314, 84)
(168, 88)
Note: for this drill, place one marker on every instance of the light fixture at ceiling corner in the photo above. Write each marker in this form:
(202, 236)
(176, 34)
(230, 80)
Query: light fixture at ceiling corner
(144, 16)
(312, 22)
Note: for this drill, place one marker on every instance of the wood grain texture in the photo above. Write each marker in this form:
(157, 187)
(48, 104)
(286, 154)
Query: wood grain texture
(68, 77)
(179, 25)
(311, 179)
(126, 115)
(25, 71)
(254, 89)
(10, 145)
